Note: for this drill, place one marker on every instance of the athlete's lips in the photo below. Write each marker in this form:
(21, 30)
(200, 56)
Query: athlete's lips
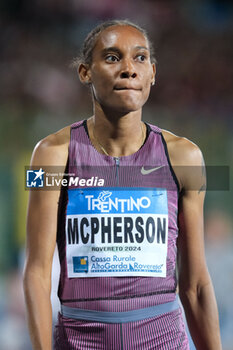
(126, 87)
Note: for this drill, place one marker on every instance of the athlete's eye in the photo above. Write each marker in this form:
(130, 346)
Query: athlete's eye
(111, 58)
(141, 58)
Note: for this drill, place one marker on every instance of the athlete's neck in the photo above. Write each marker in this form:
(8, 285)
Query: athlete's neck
(120, 136)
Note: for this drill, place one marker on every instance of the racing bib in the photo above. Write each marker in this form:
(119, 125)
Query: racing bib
(116, 232)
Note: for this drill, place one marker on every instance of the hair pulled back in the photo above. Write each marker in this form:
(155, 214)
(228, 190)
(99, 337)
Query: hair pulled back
(85, 55)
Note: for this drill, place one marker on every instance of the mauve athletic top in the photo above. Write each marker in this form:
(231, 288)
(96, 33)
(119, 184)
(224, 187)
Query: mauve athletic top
(147, 171)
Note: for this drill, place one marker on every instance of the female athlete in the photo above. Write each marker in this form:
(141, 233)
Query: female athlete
(123, 235)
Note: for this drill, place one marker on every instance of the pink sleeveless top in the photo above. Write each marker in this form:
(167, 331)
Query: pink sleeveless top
(129, 205)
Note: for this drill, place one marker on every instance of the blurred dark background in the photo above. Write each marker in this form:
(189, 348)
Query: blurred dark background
(40, 93)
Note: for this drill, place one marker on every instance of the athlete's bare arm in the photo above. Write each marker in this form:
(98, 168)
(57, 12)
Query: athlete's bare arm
(195, 286)
(41, 241)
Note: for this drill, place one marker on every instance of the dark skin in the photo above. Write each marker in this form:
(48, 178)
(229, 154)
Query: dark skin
(120, 77)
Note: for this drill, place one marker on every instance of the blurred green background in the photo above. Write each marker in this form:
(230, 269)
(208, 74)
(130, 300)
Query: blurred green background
(39, 94)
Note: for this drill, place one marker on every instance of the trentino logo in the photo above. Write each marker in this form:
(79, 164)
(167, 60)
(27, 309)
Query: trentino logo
(107, 202)
(104, 195)
(35, 178)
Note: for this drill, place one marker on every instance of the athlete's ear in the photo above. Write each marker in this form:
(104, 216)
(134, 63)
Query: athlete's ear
(153, 74)
(84, 73)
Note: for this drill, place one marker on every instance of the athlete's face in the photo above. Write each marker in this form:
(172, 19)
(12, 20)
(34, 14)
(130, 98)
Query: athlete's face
(121, 72)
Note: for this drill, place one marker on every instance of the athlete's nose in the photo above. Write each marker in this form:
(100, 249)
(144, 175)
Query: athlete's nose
(128, 69)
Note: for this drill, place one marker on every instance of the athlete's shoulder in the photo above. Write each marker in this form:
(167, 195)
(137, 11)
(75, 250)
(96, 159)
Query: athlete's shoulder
(181, 150)
(53, 149)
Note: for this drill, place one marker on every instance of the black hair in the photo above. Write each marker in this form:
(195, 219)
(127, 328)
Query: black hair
(85, 55)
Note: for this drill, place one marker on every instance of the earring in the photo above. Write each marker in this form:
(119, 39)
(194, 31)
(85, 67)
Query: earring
(153, 83)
